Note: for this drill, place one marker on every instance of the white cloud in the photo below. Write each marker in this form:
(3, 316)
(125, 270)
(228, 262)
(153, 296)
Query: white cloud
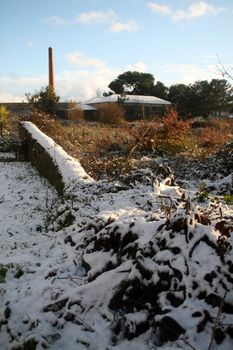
(202, 8)
(79, 59)
(182, 73)
(139, 67)
(91, 74)
(96, 17)
(163, 9)
(195, 10)
(108, 17)
(7, 97)
(13, 87)
(56, 21)
(130, 26)
(81, 83)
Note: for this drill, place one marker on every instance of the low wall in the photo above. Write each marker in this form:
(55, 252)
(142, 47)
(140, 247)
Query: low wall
(62, 171)
(35, 153)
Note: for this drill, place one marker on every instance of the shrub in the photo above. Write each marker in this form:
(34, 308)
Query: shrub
(4, 119)
(44, 100)
(212, 138)
(202, 192)
(175, 134)
(228, 199)
(145, 134)
(111, 113)
(175, 127)
(76, 115)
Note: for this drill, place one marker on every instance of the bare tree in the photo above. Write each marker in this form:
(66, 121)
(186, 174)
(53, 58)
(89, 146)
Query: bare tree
(223, 70)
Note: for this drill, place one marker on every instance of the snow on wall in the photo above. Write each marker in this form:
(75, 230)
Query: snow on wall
(51, 160)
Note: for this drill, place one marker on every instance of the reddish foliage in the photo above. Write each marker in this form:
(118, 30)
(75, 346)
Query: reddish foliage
(211, 137)
(175, 127)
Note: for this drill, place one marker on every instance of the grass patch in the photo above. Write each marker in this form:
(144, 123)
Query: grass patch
(228, 199)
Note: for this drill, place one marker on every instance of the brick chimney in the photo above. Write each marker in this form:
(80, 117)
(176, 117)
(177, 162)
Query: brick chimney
(51, 70)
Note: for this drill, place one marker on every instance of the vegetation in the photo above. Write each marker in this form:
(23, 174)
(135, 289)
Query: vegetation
(228, 199)
(44, 100)
(111, 113)
(3, 271)
(106, 150)
(135, 83)
(199, 99)
(4, 119)
(202, 192)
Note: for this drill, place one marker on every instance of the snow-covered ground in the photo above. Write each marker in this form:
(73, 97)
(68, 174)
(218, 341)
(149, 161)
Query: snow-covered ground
(106, 267)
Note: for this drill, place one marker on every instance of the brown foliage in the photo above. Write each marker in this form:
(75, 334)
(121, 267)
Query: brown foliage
(111, 113)
(106, 149)
(175, 135)
(175, 127)
(76, 115)
(213, 138)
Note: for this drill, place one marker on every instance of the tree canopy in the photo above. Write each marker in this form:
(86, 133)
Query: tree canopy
(201, 98)
(160, 90)
(198, 99)
(134, 83)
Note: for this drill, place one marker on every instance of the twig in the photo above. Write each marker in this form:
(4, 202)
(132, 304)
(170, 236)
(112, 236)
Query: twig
(140, 140)
(223, 70)
(216, 321)
(187, 206)
(68, 277)
(187, 343)
(85, 324)
(44, 234)
(220, 212)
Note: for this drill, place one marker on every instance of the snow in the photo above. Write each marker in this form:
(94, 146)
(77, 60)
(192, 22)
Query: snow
(129, 99)
(85, 107)
(71, 170)
(62, 279)
(7, 156)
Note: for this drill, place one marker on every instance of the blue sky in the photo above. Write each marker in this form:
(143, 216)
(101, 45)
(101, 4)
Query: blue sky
(95, 40)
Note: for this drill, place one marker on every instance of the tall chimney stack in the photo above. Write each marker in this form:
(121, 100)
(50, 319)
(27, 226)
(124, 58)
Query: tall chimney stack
(51, 70)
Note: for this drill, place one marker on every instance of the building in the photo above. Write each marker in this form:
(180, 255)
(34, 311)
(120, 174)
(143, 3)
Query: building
(75, 111)
(136, 106)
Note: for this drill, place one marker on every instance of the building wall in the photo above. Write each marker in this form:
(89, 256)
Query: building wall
(140, 111)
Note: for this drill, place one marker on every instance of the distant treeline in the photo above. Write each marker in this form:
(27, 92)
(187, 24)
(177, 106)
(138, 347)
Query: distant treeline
(199, 99)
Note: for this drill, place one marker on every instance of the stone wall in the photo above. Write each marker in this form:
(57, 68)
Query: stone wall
(33, 152)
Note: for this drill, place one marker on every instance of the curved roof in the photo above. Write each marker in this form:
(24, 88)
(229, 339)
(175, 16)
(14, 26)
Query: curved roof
(140, 99)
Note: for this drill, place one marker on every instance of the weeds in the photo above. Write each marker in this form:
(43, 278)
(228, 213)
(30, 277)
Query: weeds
(4, 120)
(228, 199)
(103, 149)
(202, 192)
(212, 138)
